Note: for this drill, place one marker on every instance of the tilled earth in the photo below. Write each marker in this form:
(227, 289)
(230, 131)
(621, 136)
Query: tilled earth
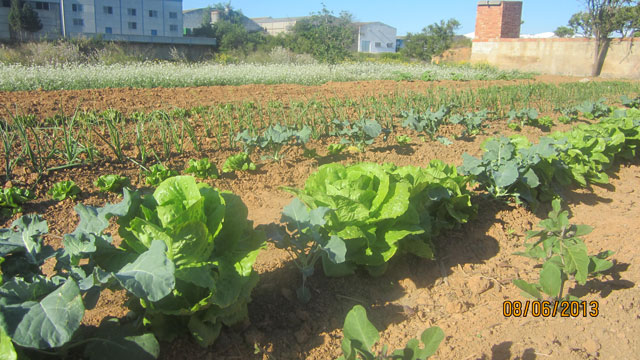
(462, 290)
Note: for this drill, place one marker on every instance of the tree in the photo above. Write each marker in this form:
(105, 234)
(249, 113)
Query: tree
(564, 31)
(326, 37)
(601, 19)
(433, 40)
(22, 18)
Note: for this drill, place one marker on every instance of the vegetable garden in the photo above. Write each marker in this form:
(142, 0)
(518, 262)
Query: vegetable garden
(264, 226)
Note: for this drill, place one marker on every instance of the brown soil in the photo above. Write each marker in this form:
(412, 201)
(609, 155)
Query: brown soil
(462, 290)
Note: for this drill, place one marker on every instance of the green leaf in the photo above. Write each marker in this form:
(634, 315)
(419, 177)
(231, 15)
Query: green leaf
(28, 236)
(336, 249)
(506, 175)
(579, 260)
(529, 289)
(151, 276)
(56, 317)
(431, 338)
(551, 279)
(123, 342)
(111, 182)
(203, 331)
(358, 331)
(7, 351)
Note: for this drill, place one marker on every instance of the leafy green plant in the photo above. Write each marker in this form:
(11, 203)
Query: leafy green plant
(402, 76)
(306, 240)
(203, 168)
(403, 140)
(474, 122)
(518, 119)
(564, 253)
(379, 209)
(112, 183)
(335, 149)
(157, 173)
(512, 167)
(12, 199)
(213, 246)
(428, 121)
(64, 189)
(594, 109)
(360, 336)
(360, 133)
(629, 102)
(238, 162)
(544, 122)
(41, 314)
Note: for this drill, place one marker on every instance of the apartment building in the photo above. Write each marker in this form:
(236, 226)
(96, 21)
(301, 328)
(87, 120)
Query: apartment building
(128, 19)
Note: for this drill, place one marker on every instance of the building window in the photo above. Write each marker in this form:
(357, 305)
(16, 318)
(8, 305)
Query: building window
(173, 15)
(108, 30)
(133, 25)
(6, 3)
(173, 27)
(389, 45)
(378, 44)
(107, 9)
(154, 32)
(153, 13)
(78, 22)
(76, 7)
(131, 12)
(39, 5)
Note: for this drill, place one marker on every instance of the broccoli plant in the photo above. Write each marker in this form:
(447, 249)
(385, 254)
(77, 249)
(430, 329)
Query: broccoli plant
(630, 103)
(203, 169)
(359, 133)
(428, 121)
(518, 119)
(306, 240)
(64, 189)
(565, 256)
(474, 122)
(360, 336)
(594, 109)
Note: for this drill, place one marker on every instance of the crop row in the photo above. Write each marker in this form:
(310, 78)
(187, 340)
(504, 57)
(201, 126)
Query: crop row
(148, 75)
(187, 252)
(88, 137)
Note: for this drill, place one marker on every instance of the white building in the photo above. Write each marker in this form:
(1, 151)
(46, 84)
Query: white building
(275, 26)
(126, 20)
(376, 37)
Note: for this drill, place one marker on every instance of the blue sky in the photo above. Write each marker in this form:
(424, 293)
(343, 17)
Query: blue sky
(409, 16)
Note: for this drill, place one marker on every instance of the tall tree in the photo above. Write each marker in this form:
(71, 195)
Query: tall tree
(326, 37)
(433, 40)
(22, 18)
(606, 17)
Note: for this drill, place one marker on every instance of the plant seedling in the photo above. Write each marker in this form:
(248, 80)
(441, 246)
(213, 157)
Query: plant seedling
(403, 140)
(203, 169)
(158, 173)
(238, 162)
(11, 200)
(360, 336)
(64, 189)
(307, 241)
(112, 183)
(564, 254)
(335, 149)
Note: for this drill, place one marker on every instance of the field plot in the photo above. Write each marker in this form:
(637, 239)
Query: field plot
(428, 241)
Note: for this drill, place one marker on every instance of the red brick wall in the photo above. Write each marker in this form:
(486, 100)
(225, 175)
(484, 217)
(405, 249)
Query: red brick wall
(498, 19)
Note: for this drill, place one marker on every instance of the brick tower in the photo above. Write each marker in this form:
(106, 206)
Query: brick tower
(498, 19)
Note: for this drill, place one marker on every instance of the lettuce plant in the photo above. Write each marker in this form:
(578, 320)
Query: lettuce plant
(64, 189)
(11, 200)
(158, 173)
(213, 247)
(111, 182)
(238, 162)
(378, 209)
(203, 169)
(360, 336)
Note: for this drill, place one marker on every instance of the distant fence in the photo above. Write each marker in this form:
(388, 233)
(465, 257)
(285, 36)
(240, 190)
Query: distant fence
(559, 56)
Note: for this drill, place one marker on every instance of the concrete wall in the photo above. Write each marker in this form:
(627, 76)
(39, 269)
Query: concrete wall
(559, 56)
(376, 38)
